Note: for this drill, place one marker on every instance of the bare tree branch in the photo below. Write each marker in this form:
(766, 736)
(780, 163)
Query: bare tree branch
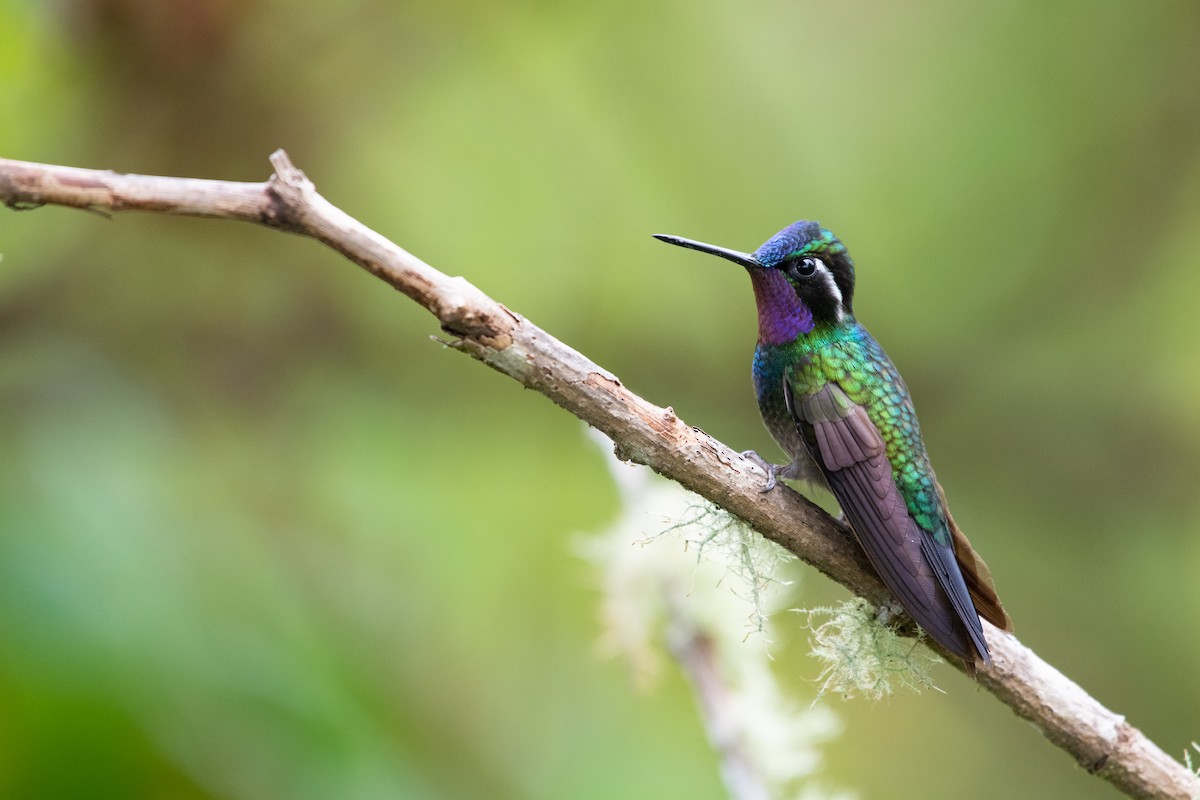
(1100, 740)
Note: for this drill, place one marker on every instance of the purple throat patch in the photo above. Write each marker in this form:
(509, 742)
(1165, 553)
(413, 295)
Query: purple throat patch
(782, 315)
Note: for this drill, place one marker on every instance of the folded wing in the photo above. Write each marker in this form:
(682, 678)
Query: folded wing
(923, 574)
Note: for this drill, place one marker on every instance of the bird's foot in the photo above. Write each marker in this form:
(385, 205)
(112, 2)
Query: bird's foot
(774, 472)
(888, 612)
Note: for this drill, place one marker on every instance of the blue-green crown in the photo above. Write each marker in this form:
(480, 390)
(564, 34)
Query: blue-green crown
(808, 238)
(803, 238)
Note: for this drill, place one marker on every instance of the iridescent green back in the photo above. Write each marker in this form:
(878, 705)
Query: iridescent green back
(848, 355)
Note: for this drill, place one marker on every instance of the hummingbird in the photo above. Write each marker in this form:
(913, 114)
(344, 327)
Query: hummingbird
(837, 406)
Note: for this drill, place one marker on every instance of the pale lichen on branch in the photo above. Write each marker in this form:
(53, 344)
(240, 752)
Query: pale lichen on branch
(860, 655)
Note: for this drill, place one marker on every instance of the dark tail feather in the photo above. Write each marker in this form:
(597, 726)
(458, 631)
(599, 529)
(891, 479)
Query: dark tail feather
(961, 613)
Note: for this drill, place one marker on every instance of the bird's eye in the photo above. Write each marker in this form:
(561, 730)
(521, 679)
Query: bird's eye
(806, 267)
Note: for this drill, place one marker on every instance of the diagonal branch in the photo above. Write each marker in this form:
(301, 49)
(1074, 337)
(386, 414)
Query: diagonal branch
(1100, 740)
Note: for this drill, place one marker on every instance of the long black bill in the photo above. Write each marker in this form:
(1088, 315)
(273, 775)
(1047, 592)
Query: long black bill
(737, 257)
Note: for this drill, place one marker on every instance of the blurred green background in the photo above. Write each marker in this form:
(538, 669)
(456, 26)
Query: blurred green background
(261, 538)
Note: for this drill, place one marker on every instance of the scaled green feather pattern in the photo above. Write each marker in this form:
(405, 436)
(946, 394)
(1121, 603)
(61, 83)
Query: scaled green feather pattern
(851, 358)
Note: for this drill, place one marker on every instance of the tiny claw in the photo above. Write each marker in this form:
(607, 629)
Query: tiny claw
(765, 466)
(887, 612)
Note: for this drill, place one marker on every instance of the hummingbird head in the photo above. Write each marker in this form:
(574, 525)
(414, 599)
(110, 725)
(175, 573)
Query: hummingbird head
(802, 276)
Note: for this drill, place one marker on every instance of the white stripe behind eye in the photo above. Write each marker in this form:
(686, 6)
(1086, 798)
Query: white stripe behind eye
(831, 284)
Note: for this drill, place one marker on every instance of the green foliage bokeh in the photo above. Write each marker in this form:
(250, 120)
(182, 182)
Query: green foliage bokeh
(260, 537)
